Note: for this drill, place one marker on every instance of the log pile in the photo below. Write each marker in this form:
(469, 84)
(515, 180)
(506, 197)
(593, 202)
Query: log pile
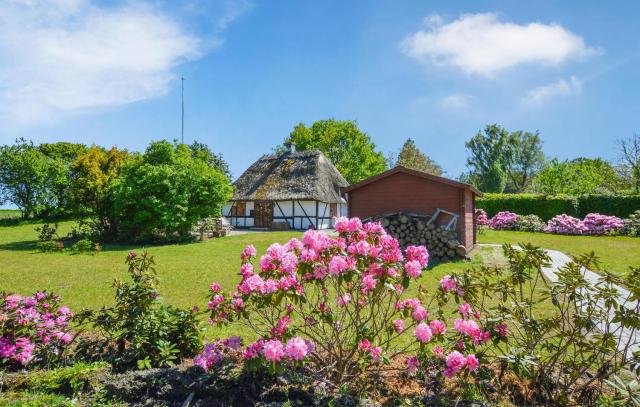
(413, 229)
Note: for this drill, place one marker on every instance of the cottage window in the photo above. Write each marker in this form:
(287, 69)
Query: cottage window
(239, 209)
(333, 210)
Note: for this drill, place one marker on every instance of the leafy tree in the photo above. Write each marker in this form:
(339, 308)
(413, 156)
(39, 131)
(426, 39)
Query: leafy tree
(62, 155)
(411, 157)
(630, 159)
(525, 159)
(576, 177)
(93, 176)
(24, 177)
(349, 148)
(489, 152)
(64, 151)
(203, 152)
(518, 156)
(164, 193)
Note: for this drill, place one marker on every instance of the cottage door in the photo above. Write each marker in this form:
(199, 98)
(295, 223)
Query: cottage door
(263, 214)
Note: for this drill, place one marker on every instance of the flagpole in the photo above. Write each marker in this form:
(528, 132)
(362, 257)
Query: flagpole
(182, 131)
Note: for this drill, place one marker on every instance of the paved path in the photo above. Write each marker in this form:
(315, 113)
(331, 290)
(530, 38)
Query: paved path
(559, 259)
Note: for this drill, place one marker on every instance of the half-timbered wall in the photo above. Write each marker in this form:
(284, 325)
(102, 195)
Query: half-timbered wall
(300, 215)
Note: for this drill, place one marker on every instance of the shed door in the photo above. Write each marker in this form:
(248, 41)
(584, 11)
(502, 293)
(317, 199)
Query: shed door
(262, 214)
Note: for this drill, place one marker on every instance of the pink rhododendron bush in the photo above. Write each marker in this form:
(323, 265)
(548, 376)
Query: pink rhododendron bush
(597, 224)
(503, 221)
(481, 218)
(346, 308)
(33, 330)
(594, 224)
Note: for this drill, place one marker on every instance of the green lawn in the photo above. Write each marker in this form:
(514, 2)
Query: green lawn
(185, 270)
(9, 213)
(616, 253)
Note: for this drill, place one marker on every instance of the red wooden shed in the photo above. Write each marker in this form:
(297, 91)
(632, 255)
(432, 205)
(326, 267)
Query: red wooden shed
(402, 189)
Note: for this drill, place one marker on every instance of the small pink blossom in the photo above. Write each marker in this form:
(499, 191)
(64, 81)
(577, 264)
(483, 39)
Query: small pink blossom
(438, 327)
(398, 324)
(423, 332)
(273, 350)
(296, 348)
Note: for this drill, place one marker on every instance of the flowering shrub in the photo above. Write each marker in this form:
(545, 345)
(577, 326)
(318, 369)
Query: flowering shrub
(632, 224)
(338, 304)
(565, 225)
(481, 218)
(33, 330)
(529, 223)
(597, 224)
(503, 221)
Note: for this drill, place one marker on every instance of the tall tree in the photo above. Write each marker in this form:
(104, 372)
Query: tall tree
(576, 177)
(630, 159)
(525, 159)
(94, 173)
(349, 148)
(215, 160)
(488, 152)
(62, 154)
(24, 177)
(410, 156)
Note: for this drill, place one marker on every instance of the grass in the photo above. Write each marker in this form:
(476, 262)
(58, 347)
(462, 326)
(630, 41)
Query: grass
(9, 213)
(185, 270)
(616, 253)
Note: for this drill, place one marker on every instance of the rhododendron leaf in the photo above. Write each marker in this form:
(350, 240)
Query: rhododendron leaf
(405, 282)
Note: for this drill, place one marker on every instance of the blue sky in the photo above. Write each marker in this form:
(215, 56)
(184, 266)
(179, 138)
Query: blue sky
(108, 72)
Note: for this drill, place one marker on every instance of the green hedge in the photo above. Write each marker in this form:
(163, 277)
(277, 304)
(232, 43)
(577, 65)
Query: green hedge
(546, 207)
(620, 206)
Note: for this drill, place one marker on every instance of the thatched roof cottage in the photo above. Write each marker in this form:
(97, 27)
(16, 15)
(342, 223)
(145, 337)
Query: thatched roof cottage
(299, 188)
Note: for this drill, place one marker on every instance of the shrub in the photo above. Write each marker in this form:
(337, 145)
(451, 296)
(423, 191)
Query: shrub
(546, 207)
(139, 330)
(33, 330)
(48, 246)
(632, 224)
(481, 218)
(503, 221)
(339, 306)
(565, 225)
(163, 195)
(564, 338)
(529, 223)
(597, 224)
(82, 246)
(47, 233)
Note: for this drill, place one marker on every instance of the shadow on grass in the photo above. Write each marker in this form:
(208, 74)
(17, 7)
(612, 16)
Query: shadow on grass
(26, 245)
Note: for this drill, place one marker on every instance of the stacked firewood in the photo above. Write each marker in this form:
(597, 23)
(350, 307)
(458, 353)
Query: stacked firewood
(412, 229)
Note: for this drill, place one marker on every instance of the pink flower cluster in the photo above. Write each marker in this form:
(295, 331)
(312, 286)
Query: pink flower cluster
(274, 350)
(214, 352)
(481, 218)
(456, 361)
(597, 224)
(32, 327)
(565, 225)
(503, 221)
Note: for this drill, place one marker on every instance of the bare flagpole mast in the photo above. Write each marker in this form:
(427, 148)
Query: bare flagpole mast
(182, 132)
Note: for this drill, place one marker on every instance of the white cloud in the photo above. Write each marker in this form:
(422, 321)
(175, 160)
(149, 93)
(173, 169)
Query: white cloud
(456, 101)
(60, 57)
(482, 44)
(563, 87)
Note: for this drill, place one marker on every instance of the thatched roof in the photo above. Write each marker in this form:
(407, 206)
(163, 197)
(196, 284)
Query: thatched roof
(298, 175)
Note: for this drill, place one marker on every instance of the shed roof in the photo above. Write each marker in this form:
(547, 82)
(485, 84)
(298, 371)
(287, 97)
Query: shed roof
(297, 175)
(421, 174)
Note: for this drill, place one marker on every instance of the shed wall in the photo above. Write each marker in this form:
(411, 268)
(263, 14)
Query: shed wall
(406, 192)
